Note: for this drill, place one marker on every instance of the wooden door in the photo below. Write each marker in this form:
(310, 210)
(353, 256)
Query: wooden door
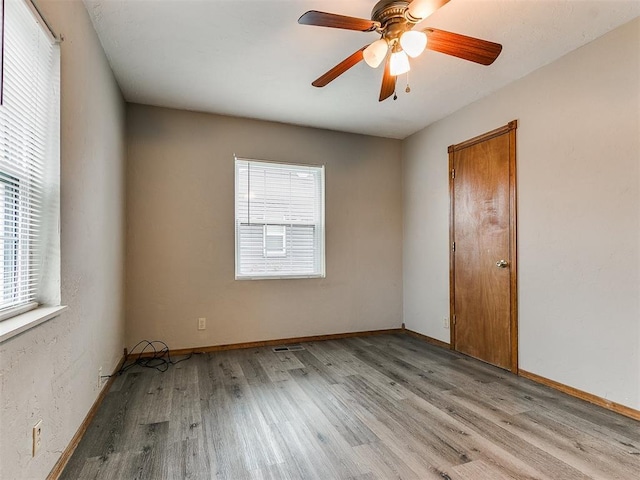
(483, 255)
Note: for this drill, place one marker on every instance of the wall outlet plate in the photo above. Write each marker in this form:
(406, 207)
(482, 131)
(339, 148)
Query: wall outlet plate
(202, 323)
(445, 322)
(37, 437)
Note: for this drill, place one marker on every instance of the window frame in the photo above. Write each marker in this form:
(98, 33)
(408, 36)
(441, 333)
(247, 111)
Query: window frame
(31, 226)
(319, 227)
(274, 253)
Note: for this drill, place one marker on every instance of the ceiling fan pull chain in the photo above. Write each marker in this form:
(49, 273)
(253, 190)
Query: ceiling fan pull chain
(408, 89)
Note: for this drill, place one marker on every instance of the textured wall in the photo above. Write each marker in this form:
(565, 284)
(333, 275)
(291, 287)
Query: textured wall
(578, 160)
(180, 232)
(51, 371)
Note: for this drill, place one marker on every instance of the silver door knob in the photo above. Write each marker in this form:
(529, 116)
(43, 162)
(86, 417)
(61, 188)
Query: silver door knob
(502, 264)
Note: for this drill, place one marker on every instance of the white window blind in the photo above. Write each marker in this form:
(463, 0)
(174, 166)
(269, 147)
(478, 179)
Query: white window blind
(29, 131)
(279, 220)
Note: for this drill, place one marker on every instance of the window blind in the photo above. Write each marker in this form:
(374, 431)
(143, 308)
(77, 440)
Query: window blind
(29, 130)
(279, 220)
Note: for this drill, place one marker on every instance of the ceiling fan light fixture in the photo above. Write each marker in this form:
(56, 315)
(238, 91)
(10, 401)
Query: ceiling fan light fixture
(413, 42)
(419, 9)
(398, 24)
(399, 63)
(375, 53)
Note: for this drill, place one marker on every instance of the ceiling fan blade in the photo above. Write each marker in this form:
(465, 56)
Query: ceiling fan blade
(388, 82)
(461, 46)
(340, 68)
(421, 9)
(323, 19)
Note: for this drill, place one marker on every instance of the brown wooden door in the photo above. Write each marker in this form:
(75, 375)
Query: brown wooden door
(483, 247)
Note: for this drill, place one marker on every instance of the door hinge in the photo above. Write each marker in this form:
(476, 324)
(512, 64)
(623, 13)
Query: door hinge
(453, 173)
(454, 319)
(453, 246)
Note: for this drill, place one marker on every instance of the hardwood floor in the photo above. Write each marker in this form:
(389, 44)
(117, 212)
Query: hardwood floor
(378, 407)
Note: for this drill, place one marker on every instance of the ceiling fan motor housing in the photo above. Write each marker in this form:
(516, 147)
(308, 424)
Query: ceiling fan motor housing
(391, 16)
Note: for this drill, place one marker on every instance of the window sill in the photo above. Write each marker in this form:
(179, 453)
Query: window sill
(277, 277)
(21, 323)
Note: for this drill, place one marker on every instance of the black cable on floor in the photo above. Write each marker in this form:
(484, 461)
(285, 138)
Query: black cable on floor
(152, 354)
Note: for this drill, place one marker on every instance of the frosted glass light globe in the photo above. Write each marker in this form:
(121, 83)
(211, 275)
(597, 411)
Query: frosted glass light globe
(413, 42)
(399, 63)
(420, 9)
(375, 53)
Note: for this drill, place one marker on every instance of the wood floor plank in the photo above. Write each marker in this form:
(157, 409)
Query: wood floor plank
(281, 471)
(289, 360)
(365, 476)
(495, 397)
(103, 435)
(300, 449)
(352, 366)
(349, 427)
(384, 463)
(253, 372)
(455, 369)
(378, 407)
(577, 443)
(413, 379)
(274, 407)
(610, 438)
(107, 467)
(577, 449)
(314, 365)
(391, 434)
(471, 445)
(185, 416)
(187, 460)
(320, 431)
(394, 417)
(477, 470)
(220, 437)
(336, 361)
(158, 397)
(275, 369)
(149, 441)
(258, 446)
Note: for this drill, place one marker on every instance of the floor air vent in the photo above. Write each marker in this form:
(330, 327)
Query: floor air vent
(288, 348)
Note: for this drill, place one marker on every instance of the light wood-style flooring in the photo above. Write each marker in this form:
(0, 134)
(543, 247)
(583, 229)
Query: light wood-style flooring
(376, 407)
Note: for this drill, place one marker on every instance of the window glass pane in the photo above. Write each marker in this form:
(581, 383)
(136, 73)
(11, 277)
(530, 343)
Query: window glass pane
(275, 244)
(29, 139)
(279, 220)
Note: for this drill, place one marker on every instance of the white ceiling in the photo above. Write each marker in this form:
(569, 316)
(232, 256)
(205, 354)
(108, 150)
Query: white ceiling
(252, 59)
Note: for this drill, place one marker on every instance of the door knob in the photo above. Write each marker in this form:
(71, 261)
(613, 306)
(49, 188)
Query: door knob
(502, 264)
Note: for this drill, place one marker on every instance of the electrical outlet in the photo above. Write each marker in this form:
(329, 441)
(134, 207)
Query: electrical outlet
(37, 437)
(445, 322)
(100, 377)
(202, 323)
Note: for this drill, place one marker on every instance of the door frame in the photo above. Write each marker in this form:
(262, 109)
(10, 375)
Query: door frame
(509, 129)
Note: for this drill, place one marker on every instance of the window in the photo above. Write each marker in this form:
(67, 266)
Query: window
(29, 156)
(279, 220)
(275, 241)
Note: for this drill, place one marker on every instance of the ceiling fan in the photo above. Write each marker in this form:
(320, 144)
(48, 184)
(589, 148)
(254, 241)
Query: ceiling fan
(395, 20)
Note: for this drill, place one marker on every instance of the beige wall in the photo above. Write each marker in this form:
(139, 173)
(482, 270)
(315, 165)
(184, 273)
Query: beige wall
(180, 232)
(578, 160)
(51, 371)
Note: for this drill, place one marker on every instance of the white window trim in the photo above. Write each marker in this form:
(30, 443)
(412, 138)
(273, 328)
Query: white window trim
(12, 312)
(274, 253)
(322, 270)
(21, 323)
(14, 321)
